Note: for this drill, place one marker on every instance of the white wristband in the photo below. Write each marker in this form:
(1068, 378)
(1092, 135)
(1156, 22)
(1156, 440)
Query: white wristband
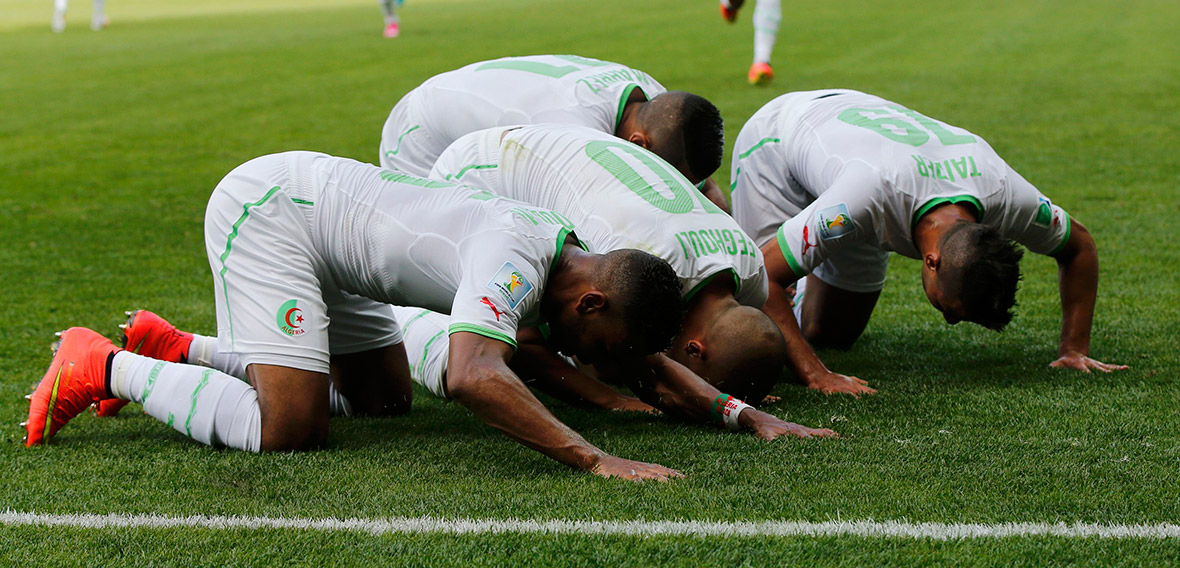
(733, 409)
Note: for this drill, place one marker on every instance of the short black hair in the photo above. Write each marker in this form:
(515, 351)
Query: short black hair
(704, 135)
(985, 268)
(647, 293)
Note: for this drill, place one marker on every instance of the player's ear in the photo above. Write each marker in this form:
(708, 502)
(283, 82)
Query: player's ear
(640, 138)
(694, 348)
(930, 261)
(591, 302)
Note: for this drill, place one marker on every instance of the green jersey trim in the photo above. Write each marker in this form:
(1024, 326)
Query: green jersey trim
(781, 237)
(755, 147)
(421, 314)
(229, 244)
(1068, 228)
(561, 235)
(926, 207)
(623, 103)
(478, 330)
(471, 167)
(737, 283)
(426, 353)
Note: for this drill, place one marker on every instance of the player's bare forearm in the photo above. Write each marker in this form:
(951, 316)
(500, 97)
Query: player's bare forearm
(478, 377)
(674, 389)
(1077, 279)
(806, 367)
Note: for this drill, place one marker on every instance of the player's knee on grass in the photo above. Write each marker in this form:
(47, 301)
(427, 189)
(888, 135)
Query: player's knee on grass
(293, 407)
(826, 335)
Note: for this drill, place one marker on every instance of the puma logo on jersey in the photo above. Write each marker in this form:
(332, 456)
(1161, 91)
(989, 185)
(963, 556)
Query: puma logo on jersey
(807, 242)
(489, 304)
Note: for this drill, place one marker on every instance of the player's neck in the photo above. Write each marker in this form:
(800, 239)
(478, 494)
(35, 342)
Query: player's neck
(707, 305)
(930, 228)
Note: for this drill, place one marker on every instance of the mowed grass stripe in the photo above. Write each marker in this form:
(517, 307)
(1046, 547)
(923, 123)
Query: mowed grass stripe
(872, 529)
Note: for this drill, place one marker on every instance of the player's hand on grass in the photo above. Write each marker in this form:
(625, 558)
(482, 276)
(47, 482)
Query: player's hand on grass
(769, 427)
(833, 383)
(1077, 361)
(611, 466)
(632, 404)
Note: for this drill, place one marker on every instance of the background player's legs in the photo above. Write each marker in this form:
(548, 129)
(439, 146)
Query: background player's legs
(374, 382)
(98, 19)
(833, 317)
(767, 15)
(392, 23)
(59, 15)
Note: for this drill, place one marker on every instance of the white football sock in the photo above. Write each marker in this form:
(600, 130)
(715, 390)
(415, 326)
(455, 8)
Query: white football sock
(204, 404)
(800, 284)
(767, 14)
(60, 5)
(203, 351)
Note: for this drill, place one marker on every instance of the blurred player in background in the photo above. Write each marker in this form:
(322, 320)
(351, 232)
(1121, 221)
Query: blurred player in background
(829, 182)
(560, 89)
(392, 22)
(767, 16)
(98, 18)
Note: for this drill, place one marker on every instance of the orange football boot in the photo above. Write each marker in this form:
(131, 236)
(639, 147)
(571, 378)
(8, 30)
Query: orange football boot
(76, 379)
(760, 73)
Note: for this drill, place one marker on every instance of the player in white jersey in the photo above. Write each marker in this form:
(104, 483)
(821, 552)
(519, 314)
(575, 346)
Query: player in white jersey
(621, 196)
(829, 182)
(307, 250)
(684, 129)
(767, 15)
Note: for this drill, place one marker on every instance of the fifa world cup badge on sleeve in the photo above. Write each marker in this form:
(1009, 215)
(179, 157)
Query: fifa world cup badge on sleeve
(511, 284)
(835, 222)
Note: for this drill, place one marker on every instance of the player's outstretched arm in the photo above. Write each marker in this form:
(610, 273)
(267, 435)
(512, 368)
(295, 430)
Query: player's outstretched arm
(674, 389)
(545, 370)
(478, 377)
(805, 365)
(1077, 280)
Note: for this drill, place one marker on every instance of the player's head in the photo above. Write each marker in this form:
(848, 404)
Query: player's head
(740, 351)
(973, 276)
(684, 129)
(628, 306)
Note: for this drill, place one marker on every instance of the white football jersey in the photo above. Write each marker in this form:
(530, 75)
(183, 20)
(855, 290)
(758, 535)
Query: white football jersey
(617, 194)
(403, 240)
(848, 171)
(564, 89)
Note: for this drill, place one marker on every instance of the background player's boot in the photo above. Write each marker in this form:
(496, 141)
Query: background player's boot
(152, 336)
(392, 29)
(760, 73)
(76, 379)
(58, 23)
(99, 22)
(729, 9)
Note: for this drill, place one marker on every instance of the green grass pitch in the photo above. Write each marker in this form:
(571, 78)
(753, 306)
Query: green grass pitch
(110, 143)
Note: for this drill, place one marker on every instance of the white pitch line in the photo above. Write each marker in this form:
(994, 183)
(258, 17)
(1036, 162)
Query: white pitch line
(877, 529)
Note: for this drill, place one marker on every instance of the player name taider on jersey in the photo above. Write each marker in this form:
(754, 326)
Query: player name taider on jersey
(890, 166)
(618, 194)
(534, 89)
(398, 239)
